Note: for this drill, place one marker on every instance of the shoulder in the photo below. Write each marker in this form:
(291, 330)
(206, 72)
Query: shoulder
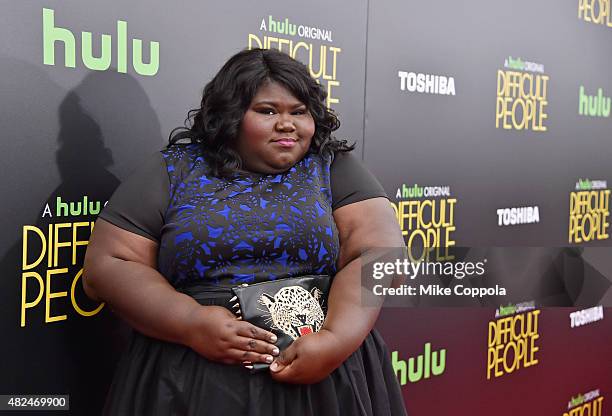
(351, 181)
(139, 203)
(343, 160)
(182, 153)
(185, 160)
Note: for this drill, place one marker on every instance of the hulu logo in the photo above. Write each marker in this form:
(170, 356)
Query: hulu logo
(84, 207)
(53, 34)
(421, 367)
(515, 63)
(283, 28)
(506, 310)
(593, 105)
(584, 185)
(576, 400)
(415, 191)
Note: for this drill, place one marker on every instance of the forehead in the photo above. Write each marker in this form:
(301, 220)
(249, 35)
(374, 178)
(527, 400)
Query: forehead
(274, 92)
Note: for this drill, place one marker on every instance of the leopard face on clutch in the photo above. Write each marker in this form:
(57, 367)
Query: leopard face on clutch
(294, 310)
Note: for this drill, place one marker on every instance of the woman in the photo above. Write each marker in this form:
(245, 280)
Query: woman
(263, 192)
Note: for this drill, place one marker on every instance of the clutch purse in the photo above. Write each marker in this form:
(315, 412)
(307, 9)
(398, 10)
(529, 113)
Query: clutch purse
(289, 308)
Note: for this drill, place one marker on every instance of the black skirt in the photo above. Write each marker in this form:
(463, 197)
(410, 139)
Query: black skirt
(157, 378)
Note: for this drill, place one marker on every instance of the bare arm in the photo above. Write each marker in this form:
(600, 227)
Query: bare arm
(362, 225)
(121, 269)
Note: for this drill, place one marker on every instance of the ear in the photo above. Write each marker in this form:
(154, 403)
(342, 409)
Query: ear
(266, 300)
(316, 293)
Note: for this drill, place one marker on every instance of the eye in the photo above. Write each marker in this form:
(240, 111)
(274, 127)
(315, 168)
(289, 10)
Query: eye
(300, 112)
(266, 110)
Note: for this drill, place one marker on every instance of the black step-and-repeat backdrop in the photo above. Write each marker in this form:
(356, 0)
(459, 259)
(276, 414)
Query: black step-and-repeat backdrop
(488, 124)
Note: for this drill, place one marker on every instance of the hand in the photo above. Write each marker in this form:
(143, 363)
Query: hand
(218, 335)
(309, 359)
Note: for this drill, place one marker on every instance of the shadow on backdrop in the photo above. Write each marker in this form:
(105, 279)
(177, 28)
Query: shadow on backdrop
(106, 118)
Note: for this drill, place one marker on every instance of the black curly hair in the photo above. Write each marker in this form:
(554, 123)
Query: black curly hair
(227, 96)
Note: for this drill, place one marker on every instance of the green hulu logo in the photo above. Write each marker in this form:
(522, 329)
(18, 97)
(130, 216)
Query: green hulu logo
(283, 28)
(593, 105)
(415, 191)
(53, 34)
(422, 367)
(85, 207)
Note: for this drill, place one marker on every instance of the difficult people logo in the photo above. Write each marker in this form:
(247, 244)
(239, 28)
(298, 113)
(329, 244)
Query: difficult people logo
(589, 403)
(308, 44)
(52, 262)
(426, 215)
(596, 12)
(512, 343)
(589, 211)
(522, 96)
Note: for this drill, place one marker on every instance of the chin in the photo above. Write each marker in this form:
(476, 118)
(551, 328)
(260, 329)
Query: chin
(280, 168)
(286, 163)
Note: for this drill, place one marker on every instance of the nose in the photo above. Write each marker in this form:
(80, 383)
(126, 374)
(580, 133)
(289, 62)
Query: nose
(285, 123)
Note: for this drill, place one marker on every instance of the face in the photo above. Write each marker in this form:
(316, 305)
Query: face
(275, 132)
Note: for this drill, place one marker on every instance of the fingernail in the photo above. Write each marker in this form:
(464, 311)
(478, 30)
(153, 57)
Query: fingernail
(275, 351)
(274, 366)
(273, 338)
(269, 358)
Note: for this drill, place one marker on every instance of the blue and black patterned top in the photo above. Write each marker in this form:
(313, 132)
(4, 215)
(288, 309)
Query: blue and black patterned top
(248, 227)
(243, 228)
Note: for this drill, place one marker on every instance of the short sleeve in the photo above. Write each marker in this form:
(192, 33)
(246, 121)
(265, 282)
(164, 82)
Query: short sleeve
(139, 203)
(351, 181)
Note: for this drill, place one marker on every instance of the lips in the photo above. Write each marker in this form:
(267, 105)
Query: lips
(285, 141)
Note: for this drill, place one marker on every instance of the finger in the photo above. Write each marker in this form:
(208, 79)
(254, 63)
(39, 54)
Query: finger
(251, 331)
(287, 374)
(248, 365)
(284, 359)
(239, 356)
(251, 344)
